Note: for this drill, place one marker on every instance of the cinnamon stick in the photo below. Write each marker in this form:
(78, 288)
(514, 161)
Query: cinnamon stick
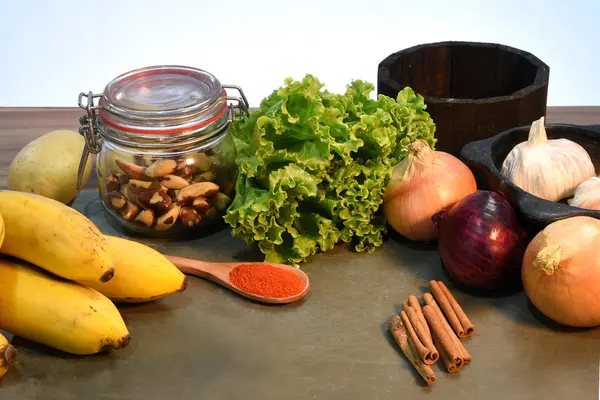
(422, 331)
(430, 301)
(414, 303)
(444, 304)
(423, 351)
(451, 367)
(399, 334)
(465, 322)
(441, 335)
(406, 306)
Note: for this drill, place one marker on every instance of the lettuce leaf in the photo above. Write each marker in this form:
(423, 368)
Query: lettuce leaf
(313, 166)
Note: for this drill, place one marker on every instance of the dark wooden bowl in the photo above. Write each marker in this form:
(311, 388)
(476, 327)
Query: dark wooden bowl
(485, 158)
(472, 90)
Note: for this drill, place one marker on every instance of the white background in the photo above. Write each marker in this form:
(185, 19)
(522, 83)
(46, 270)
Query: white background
(52, 50)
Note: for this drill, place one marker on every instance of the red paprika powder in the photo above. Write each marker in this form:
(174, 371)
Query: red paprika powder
(266, 280)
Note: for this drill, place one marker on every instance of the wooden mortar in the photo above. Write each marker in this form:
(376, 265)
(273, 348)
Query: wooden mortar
(472, 90)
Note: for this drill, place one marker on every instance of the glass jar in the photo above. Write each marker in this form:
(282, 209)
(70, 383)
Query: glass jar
(165, 161)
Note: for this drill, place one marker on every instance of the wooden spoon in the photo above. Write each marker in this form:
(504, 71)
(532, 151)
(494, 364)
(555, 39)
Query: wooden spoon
(219, 273)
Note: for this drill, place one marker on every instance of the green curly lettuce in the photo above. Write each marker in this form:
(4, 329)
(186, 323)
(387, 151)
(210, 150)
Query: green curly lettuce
(313, 166)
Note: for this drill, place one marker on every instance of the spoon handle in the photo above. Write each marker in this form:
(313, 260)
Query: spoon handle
(192, 267)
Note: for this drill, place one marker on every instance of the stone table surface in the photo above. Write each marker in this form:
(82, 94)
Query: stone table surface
(208, 343)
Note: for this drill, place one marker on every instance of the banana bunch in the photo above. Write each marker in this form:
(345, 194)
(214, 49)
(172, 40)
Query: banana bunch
(8, 354)
(60, 277)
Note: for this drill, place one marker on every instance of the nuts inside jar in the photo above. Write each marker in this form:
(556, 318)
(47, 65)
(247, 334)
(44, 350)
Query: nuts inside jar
(161, 194)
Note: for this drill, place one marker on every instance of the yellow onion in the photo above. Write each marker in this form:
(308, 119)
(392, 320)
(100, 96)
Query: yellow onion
(561, 271)
(422, 184)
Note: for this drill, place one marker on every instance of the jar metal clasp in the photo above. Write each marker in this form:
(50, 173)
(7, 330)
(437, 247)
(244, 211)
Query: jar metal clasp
(242, 101)
(89, 130)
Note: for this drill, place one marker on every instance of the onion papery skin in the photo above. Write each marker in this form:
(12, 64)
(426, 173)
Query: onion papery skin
(481, 242)
(561, 272)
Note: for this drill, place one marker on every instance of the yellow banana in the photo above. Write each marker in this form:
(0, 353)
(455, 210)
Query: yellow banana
(141, 273)
(8, 355)
(1, 230)
(55, 237)
(55, 312)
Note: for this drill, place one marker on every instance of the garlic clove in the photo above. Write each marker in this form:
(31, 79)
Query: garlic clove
(549, 169)
(587, 194)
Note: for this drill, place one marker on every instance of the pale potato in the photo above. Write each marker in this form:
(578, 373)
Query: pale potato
(48, 166)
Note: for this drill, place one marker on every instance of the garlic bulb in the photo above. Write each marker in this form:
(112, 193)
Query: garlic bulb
(549, 169)
(587, 195)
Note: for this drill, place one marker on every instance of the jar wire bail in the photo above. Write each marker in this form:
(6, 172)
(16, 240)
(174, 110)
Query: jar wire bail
(89, 130)
(242, 101)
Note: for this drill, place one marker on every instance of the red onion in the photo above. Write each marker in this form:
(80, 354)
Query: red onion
(482, 242)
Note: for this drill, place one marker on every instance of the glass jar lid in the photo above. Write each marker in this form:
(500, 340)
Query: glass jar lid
(169, 90)
(166, 99)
